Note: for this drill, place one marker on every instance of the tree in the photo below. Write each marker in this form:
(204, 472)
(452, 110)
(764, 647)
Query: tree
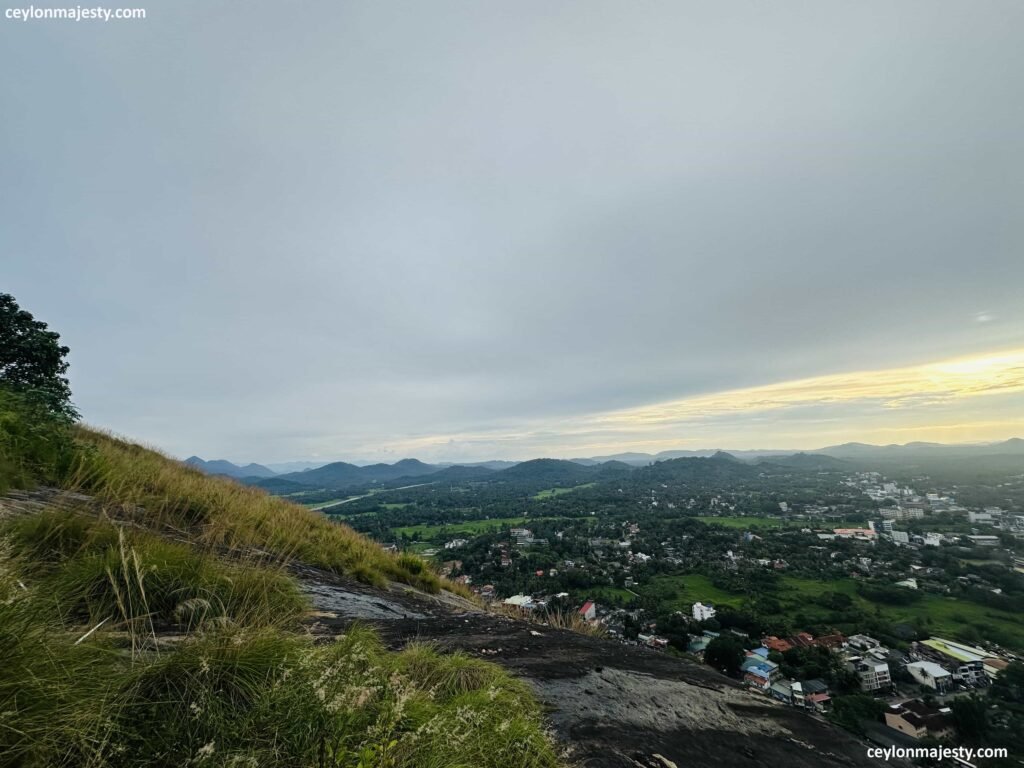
(969, 714)
(725, 653)
(32, 360)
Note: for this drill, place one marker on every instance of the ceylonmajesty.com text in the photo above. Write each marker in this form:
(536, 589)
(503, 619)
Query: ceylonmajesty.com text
(74, 13)
(961, 755)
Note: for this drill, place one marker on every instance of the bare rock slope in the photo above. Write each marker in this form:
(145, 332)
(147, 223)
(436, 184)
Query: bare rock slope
(612, 705)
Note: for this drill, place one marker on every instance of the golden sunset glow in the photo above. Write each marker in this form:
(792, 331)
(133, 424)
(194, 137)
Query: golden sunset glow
(963, 399)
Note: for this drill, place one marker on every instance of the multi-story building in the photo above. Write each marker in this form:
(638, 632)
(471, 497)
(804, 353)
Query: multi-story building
(703, 612)
(873, 674)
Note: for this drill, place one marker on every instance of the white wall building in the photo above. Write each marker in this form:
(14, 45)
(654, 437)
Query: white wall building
(703, 612)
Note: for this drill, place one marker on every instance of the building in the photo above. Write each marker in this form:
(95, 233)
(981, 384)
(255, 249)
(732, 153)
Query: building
(873, 673)
(917, 720)
(588, 611)
(521, 536)
(862, 642)
(703, 612)
(901, 537)
(816, 695)
(760, 673)
(520, 601)
(983, 541)
(931, 675)
(968, 664)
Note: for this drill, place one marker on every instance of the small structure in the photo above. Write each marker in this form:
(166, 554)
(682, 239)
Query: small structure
(588, 611)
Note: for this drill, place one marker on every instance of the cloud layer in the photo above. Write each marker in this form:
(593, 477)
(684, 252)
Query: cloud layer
(344, 229)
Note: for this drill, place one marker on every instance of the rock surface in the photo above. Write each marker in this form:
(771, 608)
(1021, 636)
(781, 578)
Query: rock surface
(613, 705)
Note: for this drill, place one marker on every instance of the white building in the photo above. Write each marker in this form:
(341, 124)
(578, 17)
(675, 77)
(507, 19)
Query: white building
(930, 674)
(703, 612)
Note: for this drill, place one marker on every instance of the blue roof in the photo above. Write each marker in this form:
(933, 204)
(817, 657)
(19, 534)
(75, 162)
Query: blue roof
(760, 670)
(762, 651)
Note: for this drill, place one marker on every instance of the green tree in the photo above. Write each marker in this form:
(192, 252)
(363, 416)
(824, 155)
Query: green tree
(969, 714)
(32, 360)
(726, 654)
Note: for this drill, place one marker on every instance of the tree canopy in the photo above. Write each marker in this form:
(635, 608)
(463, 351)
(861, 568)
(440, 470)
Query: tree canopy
(32, 360)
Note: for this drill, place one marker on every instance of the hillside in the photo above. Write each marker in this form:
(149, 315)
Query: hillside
(149, 616)
(340, 475)
(172, 618)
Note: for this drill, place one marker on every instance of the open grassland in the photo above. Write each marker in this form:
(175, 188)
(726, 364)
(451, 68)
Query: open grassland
(425, 531)
(551, 492)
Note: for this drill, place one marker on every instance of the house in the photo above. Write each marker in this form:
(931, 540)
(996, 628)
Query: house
(525, 602)
(776, 643)
(832, 641)
(931, 675)
(703, 612)
(862, 642)
(588, 611)
(698, 644)
(782, 690)
(918, 720)
(760, 674)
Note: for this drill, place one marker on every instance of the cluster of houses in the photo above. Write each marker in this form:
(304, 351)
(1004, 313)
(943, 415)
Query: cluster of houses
(937, 664)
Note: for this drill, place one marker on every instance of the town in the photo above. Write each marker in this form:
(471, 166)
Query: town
(887, 606)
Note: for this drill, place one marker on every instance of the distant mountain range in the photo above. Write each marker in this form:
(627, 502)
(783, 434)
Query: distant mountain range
(340, 474)
(222, 467)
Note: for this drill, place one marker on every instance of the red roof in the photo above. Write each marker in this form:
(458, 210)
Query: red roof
(587, 606)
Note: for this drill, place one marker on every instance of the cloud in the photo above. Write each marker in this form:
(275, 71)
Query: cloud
(935, 392)
(343, 228)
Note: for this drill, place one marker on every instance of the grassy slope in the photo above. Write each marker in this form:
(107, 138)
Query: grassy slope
(245, 686)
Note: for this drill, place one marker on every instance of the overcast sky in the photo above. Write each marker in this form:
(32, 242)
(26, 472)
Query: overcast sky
(473, 230)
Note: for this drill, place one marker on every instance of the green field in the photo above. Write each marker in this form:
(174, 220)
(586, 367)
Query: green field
(551, 492)
(946, 616)
(611, 594)
(681, 591)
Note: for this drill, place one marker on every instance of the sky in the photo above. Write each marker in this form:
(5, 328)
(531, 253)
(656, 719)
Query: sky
(464, 231)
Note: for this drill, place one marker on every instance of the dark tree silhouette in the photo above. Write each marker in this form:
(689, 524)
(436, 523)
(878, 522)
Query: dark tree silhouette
(32, 360)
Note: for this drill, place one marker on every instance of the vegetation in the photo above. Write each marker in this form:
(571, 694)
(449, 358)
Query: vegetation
(86, 600)
(32, 360)
(154, 624)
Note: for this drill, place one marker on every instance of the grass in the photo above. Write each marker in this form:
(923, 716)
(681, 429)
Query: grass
(221, 514)
(551, 492)
(679, 592)
(92, 570)
(84, 600)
